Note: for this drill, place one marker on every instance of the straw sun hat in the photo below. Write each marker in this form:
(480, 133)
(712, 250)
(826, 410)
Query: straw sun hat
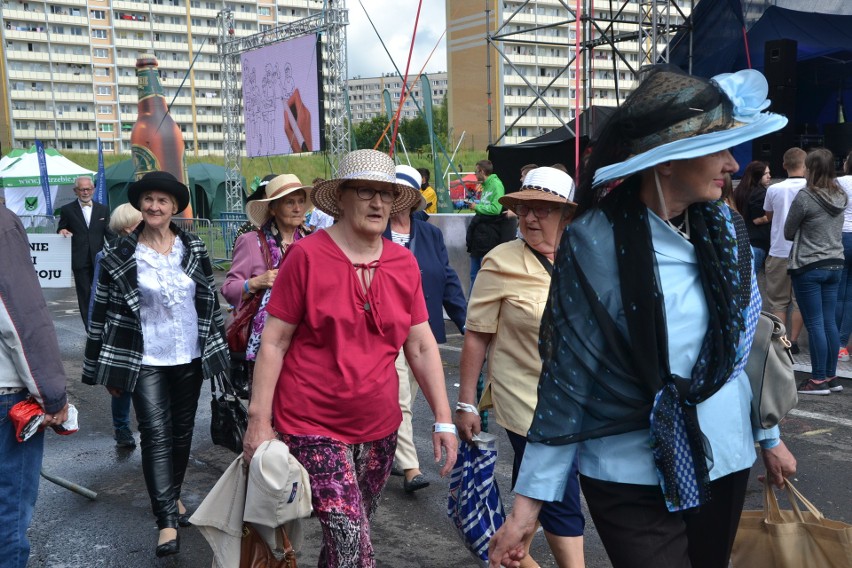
(257, 210)
(364, 165)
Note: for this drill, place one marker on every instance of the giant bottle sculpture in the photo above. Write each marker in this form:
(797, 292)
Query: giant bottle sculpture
(156, 141)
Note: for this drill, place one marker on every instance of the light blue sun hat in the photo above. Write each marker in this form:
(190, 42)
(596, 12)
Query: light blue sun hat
(674, 116)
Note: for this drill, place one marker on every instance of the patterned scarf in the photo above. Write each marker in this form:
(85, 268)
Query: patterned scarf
(276, 253)
(679, 448)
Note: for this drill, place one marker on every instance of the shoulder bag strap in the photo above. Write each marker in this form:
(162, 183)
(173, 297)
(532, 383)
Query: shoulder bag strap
(545, 262)
(264, 248)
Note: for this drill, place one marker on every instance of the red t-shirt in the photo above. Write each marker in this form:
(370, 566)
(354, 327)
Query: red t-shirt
(338, 378)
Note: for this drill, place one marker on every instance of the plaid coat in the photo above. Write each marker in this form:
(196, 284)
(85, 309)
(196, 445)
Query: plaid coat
(113, 354)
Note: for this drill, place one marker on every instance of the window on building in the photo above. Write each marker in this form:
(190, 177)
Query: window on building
(102, 71)
(105, 127)
(66, 144)
(65, 126)
(97, 14)
(265, 27)
(104, 109)
(104, 90)
(100, 53)
(99, 34)
(108, 146)
(264, 11)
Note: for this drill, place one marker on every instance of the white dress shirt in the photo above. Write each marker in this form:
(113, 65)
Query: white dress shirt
(169, 319)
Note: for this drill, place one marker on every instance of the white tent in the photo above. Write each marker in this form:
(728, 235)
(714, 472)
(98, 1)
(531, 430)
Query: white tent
(21, 181)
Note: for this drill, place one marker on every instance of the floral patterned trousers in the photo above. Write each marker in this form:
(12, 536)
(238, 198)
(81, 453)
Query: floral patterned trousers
(346, 483)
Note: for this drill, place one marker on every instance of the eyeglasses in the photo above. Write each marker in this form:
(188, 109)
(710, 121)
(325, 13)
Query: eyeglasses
(368, 193)
(541, 212)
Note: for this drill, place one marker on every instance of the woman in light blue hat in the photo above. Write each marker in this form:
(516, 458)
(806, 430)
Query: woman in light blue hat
(644, 341)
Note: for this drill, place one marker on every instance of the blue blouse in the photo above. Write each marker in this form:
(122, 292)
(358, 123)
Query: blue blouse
(724, 417)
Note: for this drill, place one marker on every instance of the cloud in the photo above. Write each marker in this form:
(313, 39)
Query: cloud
(394, 20)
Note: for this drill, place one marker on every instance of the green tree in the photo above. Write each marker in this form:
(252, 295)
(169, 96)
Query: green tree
(414, 132)
(367, 133)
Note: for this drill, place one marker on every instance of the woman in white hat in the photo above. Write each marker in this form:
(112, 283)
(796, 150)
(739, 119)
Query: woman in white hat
(155, 330)
(644, 341)
(343, 304)
(279, 218)
(506, 304)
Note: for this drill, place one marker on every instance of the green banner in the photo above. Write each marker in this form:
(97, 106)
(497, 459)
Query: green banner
(353, 143)
(444, 203)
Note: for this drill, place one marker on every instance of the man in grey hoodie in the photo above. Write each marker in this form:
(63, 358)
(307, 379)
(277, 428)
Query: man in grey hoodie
(814, 224)
(30, 365)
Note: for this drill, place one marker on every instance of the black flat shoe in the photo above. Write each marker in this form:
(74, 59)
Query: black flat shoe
(169, 548)
(417, 482)
(183, 520)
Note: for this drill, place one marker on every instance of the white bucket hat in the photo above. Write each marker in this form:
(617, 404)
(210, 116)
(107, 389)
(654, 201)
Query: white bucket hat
(257, 210)
(412, 178)
(278, 486)
(543, 184)
(366, 165)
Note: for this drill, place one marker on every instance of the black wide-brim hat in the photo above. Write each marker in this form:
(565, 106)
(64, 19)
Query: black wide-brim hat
(159, 181)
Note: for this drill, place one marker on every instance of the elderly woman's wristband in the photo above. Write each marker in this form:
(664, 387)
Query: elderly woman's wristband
(770, 443)
(246, 287)
(465, 407)
(440, 427)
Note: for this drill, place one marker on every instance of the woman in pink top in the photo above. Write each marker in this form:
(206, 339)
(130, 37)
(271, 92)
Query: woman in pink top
(343, 304)
(278, 219)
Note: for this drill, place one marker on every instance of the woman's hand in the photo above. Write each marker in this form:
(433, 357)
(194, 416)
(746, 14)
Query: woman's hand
(450, 444)
(507, 546)
(257, 432)
(115, 392)
(468, 424)
(263, 281)
(780, 464)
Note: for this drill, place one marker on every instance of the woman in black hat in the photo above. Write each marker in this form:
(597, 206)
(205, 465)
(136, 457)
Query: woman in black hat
(651, 316)
(156, 330)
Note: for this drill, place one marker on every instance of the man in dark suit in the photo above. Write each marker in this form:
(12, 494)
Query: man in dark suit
(86, 222)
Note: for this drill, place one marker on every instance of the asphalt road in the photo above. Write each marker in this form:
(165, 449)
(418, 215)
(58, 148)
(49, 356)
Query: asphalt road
(117, 530)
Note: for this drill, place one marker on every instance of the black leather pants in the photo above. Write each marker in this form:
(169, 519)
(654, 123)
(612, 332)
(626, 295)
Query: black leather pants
(165, 400)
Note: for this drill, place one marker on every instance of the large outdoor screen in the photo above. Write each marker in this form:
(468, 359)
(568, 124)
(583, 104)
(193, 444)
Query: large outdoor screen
(281, 104)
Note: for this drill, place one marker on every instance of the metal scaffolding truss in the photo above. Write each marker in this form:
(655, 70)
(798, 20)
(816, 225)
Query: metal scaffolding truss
(331, 23)
(598, 24)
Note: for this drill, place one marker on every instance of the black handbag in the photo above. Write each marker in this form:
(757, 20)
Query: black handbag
(228, 417)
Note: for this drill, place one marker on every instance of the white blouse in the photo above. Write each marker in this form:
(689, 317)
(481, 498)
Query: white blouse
(169, 319)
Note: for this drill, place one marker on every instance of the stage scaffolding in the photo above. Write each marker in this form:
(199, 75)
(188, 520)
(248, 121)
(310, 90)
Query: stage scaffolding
(603, 25)
(331, 24)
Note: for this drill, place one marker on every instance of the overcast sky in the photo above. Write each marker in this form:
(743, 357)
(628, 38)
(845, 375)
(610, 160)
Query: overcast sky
(394, 20)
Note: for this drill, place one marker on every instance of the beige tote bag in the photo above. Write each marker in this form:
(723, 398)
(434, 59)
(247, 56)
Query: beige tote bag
(797, 538)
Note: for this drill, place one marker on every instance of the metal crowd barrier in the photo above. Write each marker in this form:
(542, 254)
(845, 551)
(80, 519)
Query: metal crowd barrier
(218, 235)
(39, 224)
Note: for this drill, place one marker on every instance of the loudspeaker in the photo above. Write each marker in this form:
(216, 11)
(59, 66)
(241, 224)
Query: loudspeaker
(779, 67)
(838, 138)
(779, 62)
(770, 149)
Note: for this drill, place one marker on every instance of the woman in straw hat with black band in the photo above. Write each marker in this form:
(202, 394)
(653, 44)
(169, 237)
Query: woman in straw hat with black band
(343, 304)
(156, 330)
(506, 305)
(280, 217)
(649, 324)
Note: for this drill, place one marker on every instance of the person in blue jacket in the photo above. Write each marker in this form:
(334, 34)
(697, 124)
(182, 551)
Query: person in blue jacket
(442, 290)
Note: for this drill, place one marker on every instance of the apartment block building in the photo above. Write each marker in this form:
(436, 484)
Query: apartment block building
(538, 40)
(68, 66)
(366, 99)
